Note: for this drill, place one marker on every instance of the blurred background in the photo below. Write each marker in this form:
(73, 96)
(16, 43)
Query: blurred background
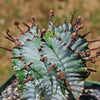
(22, 10)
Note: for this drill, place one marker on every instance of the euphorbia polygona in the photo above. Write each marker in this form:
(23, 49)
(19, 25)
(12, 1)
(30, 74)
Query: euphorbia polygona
(51, 65)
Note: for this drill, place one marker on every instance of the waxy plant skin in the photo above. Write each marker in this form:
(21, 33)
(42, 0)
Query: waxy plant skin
(51, 65)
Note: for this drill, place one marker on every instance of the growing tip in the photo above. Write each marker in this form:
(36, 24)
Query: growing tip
(7, 30)
(33, 21)
(80, 26)
(79, 17)
(78, 20)
(57, 25)
(51, 15)
(71, 20)
(65, 21)
(16, 23)
(42, 32)
(51, 12)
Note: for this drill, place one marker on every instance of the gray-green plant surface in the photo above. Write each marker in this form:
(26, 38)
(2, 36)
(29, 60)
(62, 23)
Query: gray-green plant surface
(51, 65)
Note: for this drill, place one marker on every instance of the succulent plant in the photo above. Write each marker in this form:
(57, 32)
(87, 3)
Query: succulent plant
(51, 65)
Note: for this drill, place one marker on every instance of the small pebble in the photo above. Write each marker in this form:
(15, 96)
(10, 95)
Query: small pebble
(9, 93)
